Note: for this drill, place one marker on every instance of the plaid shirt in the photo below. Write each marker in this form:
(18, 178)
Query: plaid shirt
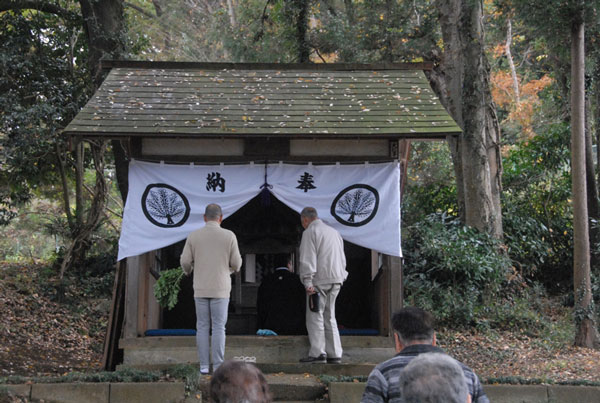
(383, 386)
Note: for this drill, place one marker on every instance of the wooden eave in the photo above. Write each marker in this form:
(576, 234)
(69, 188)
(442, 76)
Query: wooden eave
(230, 100)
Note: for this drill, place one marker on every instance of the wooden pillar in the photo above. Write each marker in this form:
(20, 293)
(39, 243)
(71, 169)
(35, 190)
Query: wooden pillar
(154, 311)
(389, 292)
(383, 301)
(141, 308)
(396, 289)
(131, 297)
(403, 156)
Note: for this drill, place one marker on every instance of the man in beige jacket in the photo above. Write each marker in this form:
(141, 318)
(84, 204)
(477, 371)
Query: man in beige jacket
(322, 271)
(212, 253)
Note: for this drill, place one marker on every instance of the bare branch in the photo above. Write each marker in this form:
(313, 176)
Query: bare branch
(139, 9)
(43, 6)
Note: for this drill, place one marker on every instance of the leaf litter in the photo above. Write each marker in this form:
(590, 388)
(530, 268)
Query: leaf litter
(40, 336)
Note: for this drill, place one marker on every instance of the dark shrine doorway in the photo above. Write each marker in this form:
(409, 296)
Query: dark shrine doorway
(266, 228)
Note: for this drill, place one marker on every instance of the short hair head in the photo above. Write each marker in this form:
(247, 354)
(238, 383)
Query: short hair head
(309, 212)
(282, 260)
(239, 382)
(413, 324)
(212, 212)
(433, 378)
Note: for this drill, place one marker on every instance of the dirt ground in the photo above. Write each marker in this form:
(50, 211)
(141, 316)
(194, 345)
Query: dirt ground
(39, 337)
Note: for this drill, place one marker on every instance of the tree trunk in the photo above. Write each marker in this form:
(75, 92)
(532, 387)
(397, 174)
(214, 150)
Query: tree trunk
(62, 169)
(511, 64)
(231, 12)
(79, 171)
(593, 207)
(81, 241)
(597, 120)
(586, 333)
(159, 9)
(104, 24)
(301, 29)
(476, 154)
(596, 116)
(121, 168)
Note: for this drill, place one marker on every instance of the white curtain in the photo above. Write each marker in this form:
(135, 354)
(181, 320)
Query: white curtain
(166, 202)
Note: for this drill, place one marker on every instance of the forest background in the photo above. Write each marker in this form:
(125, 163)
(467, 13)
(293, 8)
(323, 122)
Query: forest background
(518, 282)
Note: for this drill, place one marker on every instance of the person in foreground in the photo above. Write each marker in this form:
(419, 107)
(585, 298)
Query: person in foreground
(433, 378)
(212, 253)
(322, 271)
(413, 335)
(239, 382)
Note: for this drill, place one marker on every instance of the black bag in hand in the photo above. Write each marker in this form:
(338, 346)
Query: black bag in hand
(313, 302)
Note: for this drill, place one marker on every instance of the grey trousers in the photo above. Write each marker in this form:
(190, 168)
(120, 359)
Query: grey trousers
(211, 311)
(323, 332)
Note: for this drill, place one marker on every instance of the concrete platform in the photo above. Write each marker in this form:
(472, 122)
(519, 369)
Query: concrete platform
(71, 392)
(298, 388)
(143, 392)
(344, 392)
(164, 392)
(149, 351)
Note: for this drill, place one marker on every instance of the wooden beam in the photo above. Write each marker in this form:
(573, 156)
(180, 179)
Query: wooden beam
(396, 286)
(131, 297)
(404, 156)
(154, 311)
(110, 357)
(143, 280)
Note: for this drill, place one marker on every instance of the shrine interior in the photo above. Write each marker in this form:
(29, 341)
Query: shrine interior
(265, 227)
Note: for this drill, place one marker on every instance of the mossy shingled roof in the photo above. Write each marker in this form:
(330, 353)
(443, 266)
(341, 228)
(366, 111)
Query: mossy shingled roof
(151, 99)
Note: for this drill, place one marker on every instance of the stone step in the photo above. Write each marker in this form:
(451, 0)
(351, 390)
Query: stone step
(331, 370)
(284, 387)
(261, 349)
(344, 369)
(310, 390)
(299, 387)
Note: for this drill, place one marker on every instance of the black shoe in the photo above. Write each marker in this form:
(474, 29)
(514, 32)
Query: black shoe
(314, 360)
(334, 360)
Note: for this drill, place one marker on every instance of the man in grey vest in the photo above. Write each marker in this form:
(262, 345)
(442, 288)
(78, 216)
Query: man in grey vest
(413, 335)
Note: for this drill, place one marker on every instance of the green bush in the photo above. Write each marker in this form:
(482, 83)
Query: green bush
(430, 184)
(537, 215)
(450, 269)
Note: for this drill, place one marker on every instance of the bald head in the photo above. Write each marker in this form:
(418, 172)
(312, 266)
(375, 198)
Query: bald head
(213, 212)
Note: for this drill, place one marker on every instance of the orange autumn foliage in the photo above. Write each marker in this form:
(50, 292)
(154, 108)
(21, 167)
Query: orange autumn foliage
(522, 112)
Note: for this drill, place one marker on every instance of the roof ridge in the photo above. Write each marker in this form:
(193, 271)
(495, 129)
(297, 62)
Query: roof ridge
(144, 64)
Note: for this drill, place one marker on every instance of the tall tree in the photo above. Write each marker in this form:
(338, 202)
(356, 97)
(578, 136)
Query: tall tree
(554, 20)
(463, 82)
(40, 89)
(586, 332)
(103, 23)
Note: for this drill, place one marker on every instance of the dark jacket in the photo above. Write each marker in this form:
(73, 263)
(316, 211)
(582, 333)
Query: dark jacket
(281, 303)
(383, 386)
